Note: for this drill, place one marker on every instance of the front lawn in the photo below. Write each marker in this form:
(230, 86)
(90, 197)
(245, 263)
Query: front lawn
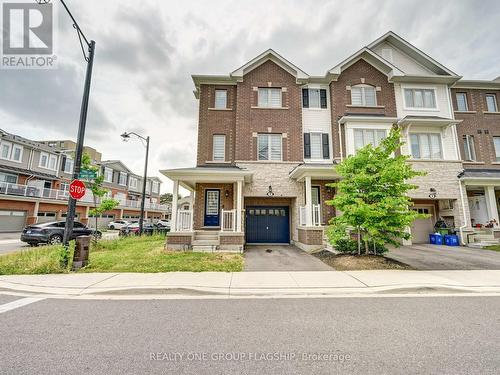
(493, 247)
(130, 254)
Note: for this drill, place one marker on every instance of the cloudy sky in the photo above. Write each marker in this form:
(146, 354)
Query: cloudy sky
(147, 50)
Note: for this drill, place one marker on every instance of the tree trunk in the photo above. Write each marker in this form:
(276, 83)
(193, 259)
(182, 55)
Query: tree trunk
(367, 249)
(359, 242)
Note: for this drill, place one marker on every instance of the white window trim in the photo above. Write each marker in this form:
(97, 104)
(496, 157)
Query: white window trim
(12, 175)
(466, 104)
(14, 146)
(134, 185)
(362, 86)
(9, 144)
(120, 178)
(320, 159)
(375, 130)
(349, 131)
(425, 109)
(269, 89)
(155, 187)
(49, 157)
(215, 99)
(105, 179)
(469, 139)
(269, 136)
(426, 133)
(223, 136)
(494, 100)
(497, 158)
(72, 162)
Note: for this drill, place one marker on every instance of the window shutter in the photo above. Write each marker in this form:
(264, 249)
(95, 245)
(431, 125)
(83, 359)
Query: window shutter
(305, 98)
(307, 146)
(63, 163)
(322, 97)
(326, 146)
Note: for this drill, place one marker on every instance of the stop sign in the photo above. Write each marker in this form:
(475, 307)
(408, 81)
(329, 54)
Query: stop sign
(77, 189)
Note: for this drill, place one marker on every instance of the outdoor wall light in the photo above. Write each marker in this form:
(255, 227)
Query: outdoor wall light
(432, 193)
(270, 192)
(226, 193)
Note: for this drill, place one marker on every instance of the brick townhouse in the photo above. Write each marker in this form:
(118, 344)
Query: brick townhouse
(34, 181)
(270, 135)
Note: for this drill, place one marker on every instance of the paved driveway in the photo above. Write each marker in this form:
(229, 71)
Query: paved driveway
(281, 258)
(432, 257)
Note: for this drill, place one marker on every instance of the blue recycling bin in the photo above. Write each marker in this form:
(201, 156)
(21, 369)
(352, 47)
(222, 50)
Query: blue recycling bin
(451, 240)
(435, 239)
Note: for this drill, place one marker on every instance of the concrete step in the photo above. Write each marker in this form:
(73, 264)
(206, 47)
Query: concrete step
(213, 237)
(198, 242)
(484, 237)
(204, 248)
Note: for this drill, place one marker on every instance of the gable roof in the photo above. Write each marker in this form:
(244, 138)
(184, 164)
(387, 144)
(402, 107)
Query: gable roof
(273, 56)
(118, 163)
(413, 52)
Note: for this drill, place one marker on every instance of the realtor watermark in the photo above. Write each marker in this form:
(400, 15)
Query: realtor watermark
(249, 356)
(28, 35)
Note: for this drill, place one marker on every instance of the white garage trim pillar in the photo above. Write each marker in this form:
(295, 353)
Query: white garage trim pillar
(35, 211)
(308, 201)
(491, 203)
(175, 194)
(239, 204)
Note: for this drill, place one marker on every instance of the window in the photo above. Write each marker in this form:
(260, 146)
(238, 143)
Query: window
(155, 187)
(220, 99)
(363, 137)
(316, 145)
(219, 147)
(5, 150)
(269, 146)
(469, 148)
(132, 182)
(47, 161)
(363, 95)
(314, 98)
(17, 153)
(462, 101)
(8, 178)
(64, 186)
(491, 103)
(108, 174)
(269, 97)
(68, 165)
(496, 142)
(426, 146)
(420, 98)
(123, 179)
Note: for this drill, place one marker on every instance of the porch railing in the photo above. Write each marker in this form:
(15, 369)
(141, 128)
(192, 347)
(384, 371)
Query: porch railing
(184, 221)
(315, 215)
(30, 191)
(228, 221)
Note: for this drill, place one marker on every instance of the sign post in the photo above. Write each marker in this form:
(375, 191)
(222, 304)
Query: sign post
(77, 189)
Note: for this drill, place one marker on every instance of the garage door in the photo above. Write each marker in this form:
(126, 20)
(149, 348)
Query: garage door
(267, 224)
(45, 217)
(421, 228)
(12, 221)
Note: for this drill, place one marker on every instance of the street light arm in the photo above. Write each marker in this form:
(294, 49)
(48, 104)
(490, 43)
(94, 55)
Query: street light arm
(76, 26)
(128, 134)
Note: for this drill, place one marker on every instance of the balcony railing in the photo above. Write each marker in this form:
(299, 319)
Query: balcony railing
(228, 221)
(184, 220)
(62, 195)
(315, 215)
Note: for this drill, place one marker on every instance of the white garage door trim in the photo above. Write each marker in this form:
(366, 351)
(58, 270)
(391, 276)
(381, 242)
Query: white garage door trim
(432, 220)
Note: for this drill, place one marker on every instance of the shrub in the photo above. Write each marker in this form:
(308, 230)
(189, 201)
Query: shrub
(346, 246)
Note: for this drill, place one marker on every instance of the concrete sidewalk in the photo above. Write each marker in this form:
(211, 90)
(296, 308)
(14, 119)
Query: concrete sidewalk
(274, 284)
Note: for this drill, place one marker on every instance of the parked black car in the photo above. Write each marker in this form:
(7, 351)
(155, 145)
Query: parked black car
(53, 232)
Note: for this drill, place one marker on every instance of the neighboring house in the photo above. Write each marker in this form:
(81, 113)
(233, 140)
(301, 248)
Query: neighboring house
(269, 136)
(34, 182)
(184, 204)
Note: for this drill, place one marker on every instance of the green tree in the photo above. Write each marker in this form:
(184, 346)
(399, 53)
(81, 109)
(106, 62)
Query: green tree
(101, 204)
(372, 196)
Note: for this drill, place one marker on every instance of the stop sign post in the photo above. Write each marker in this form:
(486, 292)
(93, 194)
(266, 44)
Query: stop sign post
(77, 189)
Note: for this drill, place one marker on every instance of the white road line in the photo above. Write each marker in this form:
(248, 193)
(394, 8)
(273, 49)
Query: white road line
(18, 303)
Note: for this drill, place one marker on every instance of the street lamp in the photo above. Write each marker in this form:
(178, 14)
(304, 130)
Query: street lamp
(89, 58)
(126, 136)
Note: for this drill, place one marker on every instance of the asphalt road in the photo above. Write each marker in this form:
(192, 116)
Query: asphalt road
(440, 335)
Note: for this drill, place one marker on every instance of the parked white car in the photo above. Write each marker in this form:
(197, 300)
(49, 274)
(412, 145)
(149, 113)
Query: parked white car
(117, 224)
(163, 223)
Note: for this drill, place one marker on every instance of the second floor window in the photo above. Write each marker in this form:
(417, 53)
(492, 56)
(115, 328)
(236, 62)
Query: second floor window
(420, 98)
(219, 147)
(68, 165)
(12, 152)
(47, 161)
(316, 146)
(269, 147)
(269, 97)
(8, 178)
(426, 146)
(108, 174)
(363, 137)
(496, 143)
(132, 183)
(314, 98)
(220, 99)
(491, 103)
(469, 148)
(123, 179)
(155, 187)
(363, 96)
(462, 101)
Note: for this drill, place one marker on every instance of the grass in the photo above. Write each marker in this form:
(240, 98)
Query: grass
(343, 262)
(129, 254)
(493, 247)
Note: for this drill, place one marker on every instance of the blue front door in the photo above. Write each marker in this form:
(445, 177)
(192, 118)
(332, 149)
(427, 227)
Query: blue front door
(212, 204)
(267, 224)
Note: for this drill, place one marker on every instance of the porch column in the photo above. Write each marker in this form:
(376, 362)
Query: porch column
(173, 222)
(239, 204)
(491, 203)
(193, 199)
(308, 202)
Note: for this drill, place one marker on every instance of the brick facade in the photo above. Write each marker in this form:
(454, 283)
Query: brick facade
(481, 125)
(325, 194)
(311, 236)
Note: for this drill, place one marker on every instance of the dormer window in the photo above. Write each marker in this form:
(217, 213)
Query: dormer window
(363, 96)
